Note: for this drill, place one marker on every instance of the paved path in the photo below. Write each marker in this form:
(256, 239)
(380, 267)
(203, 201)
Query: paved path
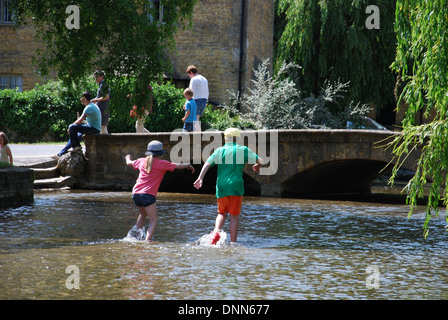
(29, 154)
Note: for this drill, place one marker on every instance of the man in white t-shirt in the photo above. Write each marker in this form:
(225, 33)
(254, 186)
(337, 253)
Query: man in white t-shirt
(199, 85)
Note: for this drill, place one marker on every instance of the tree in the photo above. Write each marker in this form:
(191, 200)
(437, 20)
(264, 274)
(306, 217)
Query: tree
(422, 63)
(329, 39)
(122, 37)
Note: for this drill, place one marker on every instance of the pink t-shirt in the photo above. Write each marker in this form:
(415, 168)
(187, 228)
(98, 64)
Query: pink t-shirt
(149, 183)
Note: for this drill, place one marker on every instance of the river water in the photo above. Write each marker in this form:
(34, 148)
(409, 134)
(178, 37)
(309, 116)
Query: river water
(72, 245)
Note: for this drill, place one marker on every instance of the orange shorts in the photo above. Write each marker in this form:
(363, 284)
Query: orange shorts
(230, 204)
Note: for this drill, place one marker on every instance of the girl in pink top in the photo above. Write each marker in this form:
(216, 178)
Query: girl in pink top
(152, 170)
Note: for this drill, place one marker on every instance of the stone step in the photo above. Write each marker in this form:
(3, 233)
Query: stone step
(45, 173)
(40, 165)
(59, 182)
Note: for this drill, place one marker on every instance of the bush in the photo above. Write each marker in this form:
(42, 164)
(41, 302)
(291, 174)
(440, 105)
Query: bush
(275, 102)
(167, 110)
(221, 119)
(45, 112)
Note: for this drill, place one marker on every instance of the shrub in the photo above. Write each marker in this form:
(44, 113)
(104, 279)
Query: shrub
(221, 119)
(45, 112)
(167, 110)
(275, 102)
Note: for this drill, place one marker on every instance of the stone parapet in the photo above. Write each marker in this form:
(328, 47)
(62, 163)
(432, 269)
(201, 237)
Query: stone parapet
(297, 162)
(16, 186)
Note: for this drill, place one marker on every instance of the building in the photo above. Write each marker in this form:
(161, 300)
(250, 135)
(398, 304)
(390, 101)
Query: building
(16, 51)
(227, 39)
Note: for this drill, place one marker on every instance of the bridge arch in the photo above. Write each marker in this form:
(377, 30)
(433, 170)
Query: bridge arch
(347, 176)
(182, 181)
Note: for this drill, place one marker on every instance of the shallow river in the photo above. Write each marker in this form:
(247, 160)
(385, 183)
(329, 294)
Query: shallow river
(71, 245)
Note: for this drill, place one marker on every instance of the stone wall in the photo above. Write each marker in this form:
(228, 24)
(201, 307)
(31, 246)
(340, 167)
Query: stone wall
(213, 44)
(17, 47)
(297, 162)
(259, 37)
(106, 166)
(16, 186)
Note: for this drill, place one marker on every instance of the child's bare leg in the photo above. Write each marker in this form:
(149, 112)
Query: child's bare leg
(151, 211)
(141, 218)
(219, 223)
(234, 221)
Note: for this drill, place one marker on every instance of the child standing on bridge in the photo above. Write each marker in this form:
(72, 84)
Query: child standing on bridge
(231, 160)
(152, 170)
(190, 111)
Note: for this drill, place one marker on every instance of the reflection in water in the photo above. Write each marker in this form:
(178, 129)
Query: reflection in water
(287, 249)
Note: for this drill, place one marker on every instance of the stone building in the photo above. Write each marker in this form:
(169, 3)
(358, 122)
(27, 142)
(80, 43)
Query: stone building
(17, 47)
(227, 39)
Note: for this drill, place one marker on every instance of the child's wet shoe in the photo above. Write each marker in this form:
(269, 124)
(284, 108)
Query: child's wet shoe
(216, 238)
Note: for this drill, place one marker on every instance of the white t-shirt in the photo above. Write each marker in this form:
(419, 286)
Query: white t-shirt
(199, 85)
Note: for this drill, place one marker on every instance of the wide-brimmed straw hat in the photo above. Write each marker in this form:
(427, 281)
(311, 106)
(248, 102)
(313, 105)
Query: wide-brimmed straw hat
(155, 148)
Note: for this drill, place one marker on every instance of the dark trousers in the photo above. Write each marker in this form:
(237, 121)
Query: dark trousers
(76, 131)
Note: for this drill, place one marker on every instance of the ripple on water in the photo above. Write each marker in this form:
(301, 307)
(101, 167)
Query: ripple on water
(286, 250)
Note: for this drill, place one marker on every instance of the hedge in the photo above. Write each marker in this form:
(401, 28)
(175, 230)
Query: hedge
(45, 112)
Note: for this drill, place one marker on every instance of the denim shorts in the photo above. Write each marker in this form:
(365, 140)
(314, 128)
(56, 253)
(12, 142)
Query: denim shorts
(200, 104)
(188, 126)
(143, 199)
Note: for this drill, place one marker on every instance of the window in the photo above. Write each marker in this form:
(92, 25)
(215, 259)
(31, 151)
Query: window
(158, 7)
(6, 15)
(11, 81)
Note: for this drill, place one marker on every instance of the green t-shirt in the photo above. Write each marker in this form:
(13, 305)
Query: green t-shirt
(231, 159)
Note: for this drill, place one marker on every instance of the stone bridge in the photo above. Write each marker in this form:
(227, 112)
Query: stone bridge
(298, 163)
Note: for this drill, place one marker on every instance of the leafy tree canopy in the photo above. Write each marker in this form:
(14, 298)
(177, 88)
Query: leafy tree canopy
(121, 37)
(422, 63)
(330, 41)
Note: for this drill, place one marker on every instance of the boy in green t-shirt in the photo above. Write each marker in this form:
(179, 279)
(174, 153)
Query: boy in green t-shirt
(231, 159)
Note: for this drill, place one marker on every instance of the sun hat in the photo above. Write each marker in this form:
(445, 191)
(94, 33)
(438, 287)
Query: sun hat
(232, 132)
(155, 148)
(99, 73)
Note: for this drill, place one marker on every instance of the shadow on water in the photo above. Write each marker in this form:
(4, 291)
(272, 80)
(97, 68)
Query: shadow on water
(287, 249)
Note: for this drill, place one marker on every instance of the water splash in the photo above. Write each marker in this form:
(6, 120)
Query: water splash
(207, 240)
(135, 234)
